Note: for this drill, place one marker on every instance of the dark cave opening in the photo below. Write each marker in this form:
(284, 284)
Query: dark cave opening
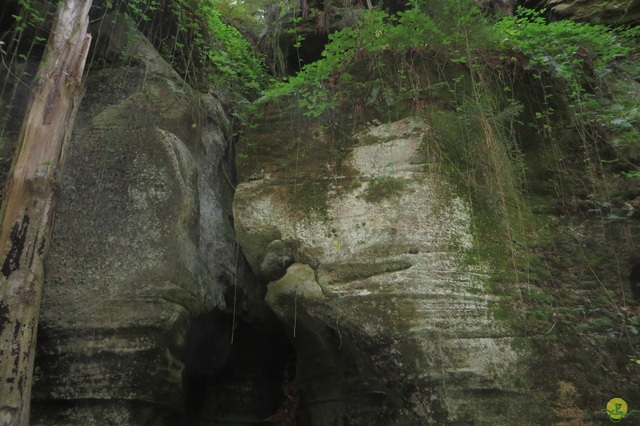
(244, 382)
(310, 51)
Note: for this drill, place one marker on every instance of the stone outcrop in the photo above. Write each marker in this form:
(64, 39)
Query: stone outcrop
(391, 293)
(391, 312)
(616, 12)
(143, 243)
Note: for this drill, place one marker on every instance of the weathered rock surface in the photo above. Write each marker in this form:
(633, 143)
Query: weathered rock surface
(142, 243)
(391, 313)
(615, 12)
(376, 269)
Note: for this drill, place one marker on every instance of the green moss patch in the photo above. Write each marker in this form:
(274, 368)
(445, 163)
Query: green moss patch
(384, 187)
(309, 197)
(359, 271)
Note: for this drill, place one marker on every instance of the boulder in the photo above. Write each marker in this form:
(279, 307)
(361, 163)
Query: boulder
(389, 310)
(143, 242)
(614, 12)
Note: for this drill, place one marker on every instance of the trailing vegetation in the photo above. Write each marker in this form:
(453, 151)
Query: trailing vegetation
(491, 89)
(382, 62)
(487, 87)
(195, 38)
(565, 50)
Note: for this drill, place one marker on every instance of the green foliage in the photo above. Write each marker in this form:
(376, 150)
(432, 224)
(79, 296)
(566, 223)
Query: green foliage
(29, 16)
(230, 54)
(202, 45)
(30, 20)
(562, 48)
(566, 51)
(572, 61)
(246, 15)
(141, 9)
(381, 187)
(377, 34)
(582, 58)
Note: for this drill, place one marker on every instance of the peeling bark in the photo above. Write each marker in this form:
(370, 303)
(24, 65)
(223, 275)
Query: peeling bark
(30, 201)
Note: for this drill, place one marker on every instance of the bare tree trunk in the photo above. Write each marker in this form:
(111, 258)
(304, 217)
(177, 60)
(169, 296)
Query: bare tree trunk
(30, 201)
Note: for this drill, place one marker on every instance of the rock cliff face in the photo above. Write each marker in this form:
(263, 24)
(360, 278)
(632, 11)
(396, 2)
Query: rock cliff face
(378, 283)
(616, 12)
(384, 292)
(425, 272)
(134, 323)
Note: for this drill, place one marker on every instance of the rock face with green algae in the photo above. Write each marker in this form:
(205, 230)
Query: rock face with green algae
(299, 282)
(606, 12)
(141, 240)
(400, 335)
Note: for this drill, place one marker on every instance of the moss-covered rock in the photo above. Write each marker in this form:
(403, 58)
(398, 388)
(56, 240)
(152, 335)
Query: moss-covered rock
(142, 244)
(616, 12)
(403, 291)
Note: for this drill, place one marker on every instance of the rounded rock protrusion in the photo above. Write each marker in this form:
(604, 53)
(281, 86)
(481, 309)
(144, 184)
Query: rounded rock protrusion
(277, 258)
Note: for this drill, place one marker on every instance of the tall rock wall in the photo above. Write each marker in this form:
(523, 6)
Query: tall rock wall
(447, 257)
(143, 243)
(375, 274)
(615, 12)
(402, 286)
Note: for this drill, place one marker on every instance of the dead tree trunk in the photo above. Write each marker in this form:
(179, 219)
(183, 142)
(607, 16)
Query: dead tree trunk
(30, 202)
